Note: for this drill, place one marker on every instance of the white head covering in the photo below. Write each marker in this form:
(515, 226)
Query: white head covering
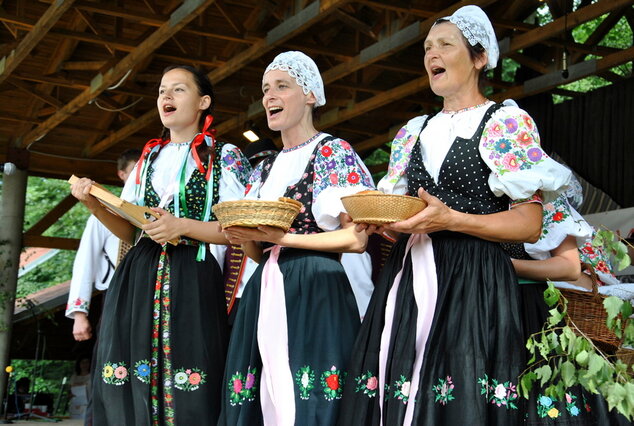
(476, 28)
(305, 72)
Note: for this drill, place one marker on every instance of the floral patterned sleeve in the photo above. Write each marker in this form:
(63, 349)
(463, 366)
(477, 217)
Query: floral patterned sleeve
(235, 173)
(338, 171)
(395, 182)
(510, 146)
(559, 221)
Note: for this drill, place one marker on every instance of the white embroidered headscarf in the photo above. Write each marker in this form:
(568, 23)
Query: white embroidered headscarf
(476, 28)
(305, 72)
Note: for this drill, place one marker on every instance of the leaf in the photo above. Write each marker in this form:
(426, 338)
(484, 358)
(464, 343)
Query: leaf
(615, 394)
(568, 371)
(582, 358)
(551, 294)
(544, 373)
(555, 317)
(626, 309)
(595, 364)
(612, 306)
(526, 384)
(629, 393)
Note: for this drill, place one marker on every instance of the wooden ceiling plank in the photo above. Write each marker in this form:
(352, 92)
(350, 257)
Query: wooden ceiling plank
(556, 27)
(55, 11)
(235, 23)
(356, 24)
(83, 65)
(52, 216)
(373, 53)
(181, 17)
(294, 25)
(529, 62)
(35, 93)
(93, 27)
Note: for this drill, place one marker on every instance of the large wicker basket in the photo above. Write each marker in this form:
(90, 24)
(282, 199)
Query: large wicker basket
(252, 213)
(586, 310)
(377, 208)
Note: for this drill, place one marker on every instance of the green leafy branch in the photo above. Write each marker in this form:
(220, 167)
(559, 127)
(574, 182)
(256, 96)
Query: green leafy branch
(562, 356)
(614, 246)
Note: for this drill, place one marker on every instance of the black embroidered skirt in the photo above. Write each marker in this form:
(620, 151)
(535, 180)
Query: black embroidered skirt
(474, 353)
(322, 321)
(163, 340)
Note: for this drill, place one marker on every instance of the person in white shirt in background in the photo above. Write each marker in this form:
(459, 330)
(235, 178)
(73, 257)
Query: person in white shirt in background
(95, 261)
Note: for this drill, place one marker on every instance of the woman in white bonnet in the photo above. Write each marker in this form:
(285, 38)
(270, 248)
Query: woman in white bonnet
(298, 319)
(441, 342)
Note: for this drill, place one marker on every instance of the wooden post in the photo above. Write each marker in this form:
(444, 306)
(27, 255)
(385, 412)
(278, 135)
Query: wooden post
(12, 219)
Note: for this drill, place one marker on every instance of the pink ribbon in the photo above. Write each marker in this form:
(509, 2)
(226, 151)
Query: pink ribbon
(277, 396)
(425, 293)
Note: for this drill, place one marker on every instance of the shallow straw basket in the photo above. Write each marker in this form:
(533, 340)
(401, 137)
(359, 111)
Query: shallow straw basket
(377, 208)
(252, 213)
(586, 310)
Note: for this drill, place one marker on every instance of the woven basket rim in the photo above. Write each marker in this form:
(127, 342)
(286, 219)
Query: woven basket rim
(381, 194)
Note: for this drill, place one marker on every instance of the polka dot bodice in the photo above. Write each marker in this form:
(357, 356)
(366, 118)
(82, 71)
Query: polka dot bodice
(463, 178)
(195, 190)
(301, 191)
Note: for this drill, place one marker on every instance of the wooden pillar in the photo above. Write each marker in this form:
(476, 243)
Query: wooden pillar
(11, 222)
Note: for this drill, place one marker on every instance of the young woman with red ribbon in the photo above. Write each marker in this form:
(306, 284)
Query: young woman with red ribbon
(163, 339)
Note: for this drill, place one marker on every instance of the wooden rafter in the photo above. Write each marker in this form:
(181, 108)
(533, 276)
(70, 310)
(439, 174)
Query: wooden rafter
(288, 29)
(55, 11)
(183, 15)
(52, 216)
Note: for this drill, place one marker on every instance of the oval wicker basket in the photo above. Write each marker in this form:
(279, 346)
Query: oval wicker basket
(586, 311)
(252, 213)
(378, 208)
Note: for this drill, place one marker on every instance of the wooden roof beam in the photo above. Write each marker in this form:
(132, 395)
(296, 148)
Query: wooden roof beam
(235, 23)
(556, 27)
(44, 97)
(50, 242)
(371, 54)
(575, 72)
(599, 33)
(52, 216)
(181, 17)
(288, 29)
(55, 11)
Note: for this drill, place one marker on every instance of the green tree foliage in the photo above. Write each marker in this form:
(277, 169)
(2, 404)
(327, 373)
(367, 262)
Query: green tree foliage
(41, 196)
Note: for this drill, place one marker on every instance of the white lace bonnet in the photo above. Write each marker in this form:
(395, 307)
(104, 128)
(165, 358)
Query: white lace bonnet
(305, 72)
(476, 28)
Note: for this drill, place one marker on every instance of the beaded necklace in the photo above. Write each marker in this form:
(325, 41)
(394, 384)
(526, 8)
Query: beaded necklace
(303, 144)
(445, 111)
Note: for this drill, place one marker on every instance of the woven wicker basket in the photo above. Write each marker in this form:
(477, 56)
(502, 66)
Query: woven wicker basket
(378, 208)
(252, 213)
(587, 312)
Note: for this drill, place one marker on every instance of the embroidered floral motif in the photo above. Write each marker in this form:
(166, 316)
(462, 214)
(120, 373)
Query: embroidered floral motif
(401, 148)
(142, 371)
(401, 389)
(500, 394)
(234, 161)
(554, 213)
(367, 383)
(571, 405)
(332, 382)
(512, 144)
(115, 373)
(242, 388)
(595, 256)
(305, 379)
(78, 304)
(444, 390)
(189, 379)
(336, 164)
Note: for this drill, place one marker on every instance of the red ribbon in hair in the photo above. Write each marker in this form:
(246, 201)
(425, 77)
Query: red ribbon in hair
(149, 146)
(199, 139)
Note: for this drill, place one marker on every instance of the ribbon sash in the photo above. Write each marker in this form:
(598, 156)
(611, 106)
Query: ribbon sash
(425, 285)
(277, 396)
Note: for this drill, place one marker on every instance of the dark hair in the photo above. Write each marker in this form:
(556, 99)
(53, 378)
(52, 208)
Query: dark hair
(204, 88)
(128, 156)
(475, 52)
